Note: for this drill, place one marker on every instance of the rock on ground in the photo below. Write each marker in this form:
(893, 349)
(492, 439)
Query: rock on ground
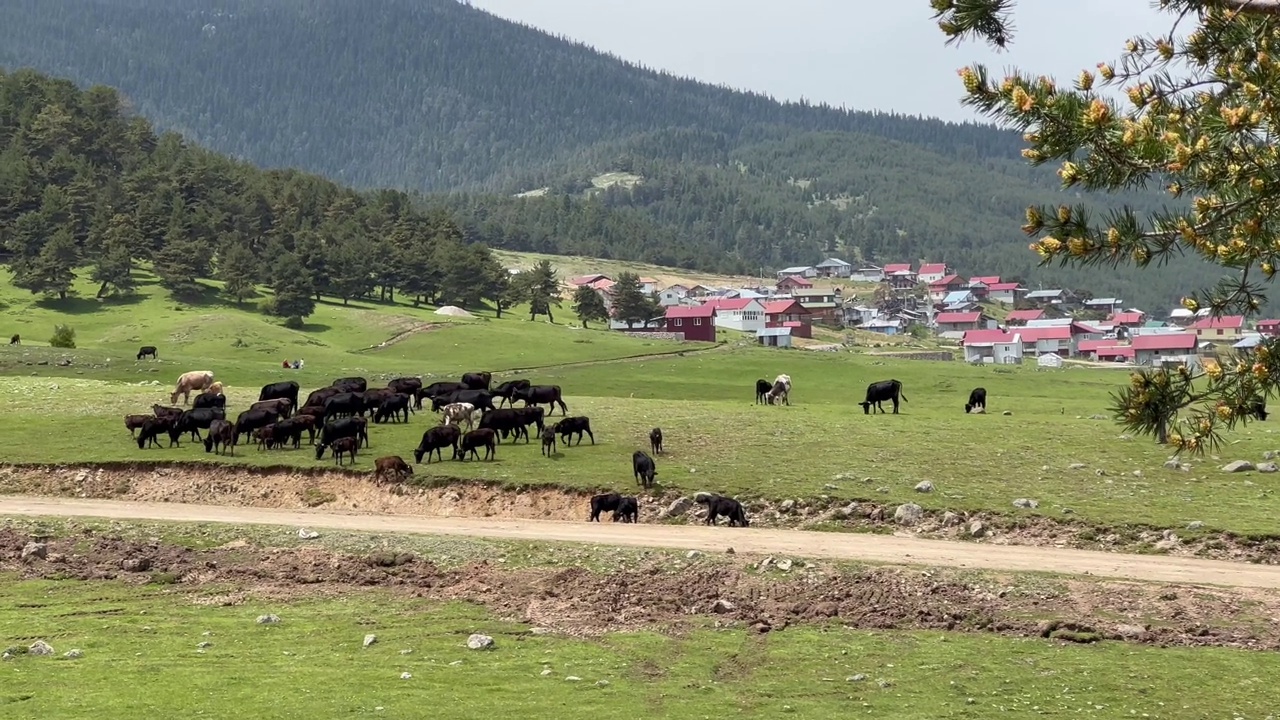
(678, 507)
(924, 487)
(1268, 467)
(40, 647)
(370, 639)
(1026, 503)
(977, 529)
(306, 534)
(908, 514)
(480, 642)
(950, 519)
(73, 654)
(268, 619)
(1238, 466)
(35, 550)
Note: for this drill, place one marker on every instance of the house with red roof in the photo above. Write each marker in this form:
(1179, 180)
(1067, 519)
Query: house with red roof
(648, 285)
(939, 289)
(987, 280)
(1063, 340)
(587, 279)
(696, 322)
(791, 283)
(931, 272)
(896, 267)
(1227, 327)
(999, 347)
(788, 313)
(1022, 317)
(1006, 293)
(1268, 328)
(1165, 347)
(1105, 351)
(745, 314)
(902, 279)
(1128, 318)
(962, 321)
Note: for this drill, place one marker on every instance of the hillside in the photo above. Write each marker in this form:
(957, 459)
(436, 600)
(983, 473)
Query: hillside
(435, 96)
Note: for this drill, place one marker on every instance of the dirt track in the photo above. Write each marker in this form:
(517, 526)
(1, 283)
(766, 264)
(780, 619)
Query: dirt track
(872, 548)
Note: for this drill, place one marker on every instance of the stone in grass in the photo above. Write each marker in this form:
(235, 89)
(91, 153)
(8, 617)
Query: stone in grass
(480, 642)
(908, 514)
(369, 640)
(924, 487)
(1238, 466)
(1026, 503)
(73, 654)
(40, 647)
(268, 619)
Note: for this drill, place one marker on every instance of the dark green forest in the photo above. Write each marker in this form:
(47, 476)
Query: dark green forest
(436, 97)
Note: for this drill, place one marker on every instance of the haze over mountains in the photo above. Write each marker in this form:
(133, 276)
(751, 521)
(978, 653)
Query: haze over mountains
(616, 161)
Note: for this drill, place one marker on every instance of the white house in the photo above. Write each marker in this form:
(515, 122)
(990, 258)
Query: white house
(804, 271)
(1005, 292)
(673, 295)
(746, 314)
(834, 268)
(1166, 348)
(648, 285)
(931, 272)
(869, 274)
(992, 346)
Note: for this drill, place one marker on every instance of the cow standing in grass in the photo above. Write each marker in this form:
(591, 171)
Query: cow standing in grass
(196, 380)
(977, 401)
(762, 390)
(780, 390)
(878, 392)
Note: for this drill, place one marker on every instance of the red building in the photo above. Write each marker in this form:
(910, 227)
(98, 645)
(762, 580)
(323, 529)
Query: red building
(792, 283)
(696, 323)
(1269, 328)
(788, 313)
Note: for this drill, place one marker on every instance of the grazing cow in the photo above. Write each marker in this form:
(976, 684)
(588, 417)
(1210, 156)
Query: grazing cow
(643, 468)
(207, 399)
(351, 427)
(655, 440)
(762, 388)
(373, 398)
(435, 439)
(309, 423)
(287, 389)
(458, 413)
(977, 399)
(481, 399)
(549, 441)
(780, 390)
(221, 436)
(507, 389)
(503, 422)
(148, 351)
(406, 385)
(351, 384)
(577, 424)
(151, 429)
(530, 416)
(718, 505)
(193, 421)
(392, 407)
(172, 413)
(391, 466)
(133, 423)
(265, 437)
(188, 381)
(628, 510)
(344, 446)
(317, 397)
(289, 431)
(477, 381)
(541, 395)
(15, 340)
(437, 389)
(878, 392)
(346, 403)
(283, 406)
(479, 438)
(314, 411)
(607, 502)
(251, 420)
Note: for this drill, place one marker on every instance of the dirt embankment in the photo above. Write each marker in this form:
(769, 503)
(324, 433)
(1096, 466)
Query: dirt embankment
(297, 488)
(671, 595)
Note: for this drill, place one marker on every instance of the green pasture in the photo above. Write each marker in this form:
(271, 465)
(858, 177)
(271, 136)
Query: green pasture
(142, 658)
(717, 438)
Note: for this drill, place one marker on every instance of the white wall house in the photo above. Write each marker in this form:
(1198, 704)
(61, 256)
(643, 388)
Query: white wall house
(673, 295)
(992, 347)
(746, 314)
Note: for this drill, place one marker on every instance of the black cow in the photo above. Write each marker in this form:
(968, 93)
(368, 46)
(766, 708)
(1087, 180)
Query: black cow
(434, 390)
(655, 440)
(406, 385)
(350, 427)
(344, 403)
(209, 400)
(549, 441)
(151, 429)
(762, 389)
(15, 340)
(251, 420)
(221, 435)
(507, 389)
(392, 407)
(290, 430)
(607, 502)
(441, 436)
(477, 381)
(283, 406)
(193, 421)
(351, 384)
(317, 397)
(977, 399)
(482, 438)
(530, 416)
(643, 468)
(577, 424)
(148, 351)
(541, 395)
(718, 505)
(373, 398)
(628, 510)
(1258, 409)
(878, 392)
(503, 422)
(479, 399)
(167, 411)
(287, 389)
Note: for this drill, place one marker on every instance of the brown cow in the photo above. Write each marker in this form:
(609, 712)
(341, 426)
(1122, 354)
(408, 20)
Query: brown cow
(282, 406)
(392, 466)
(188, 381)
(134, 423)
(345, 445)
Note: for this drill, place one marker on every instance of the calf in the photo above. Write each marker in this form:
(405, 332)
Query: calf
(477, 381)
(392, 407)
(392, 466)
(878, 392)
(351, 384)
(549, 441)
(334, 430)
(762, 389)
(195, 420)
(628, 510)
(458, 413)
(579, 425)
(435, 439)
(507, 389)
(718, 505)
(265, 436)
(148, 351)
(643, 468)
(208, 399)
(282, 406)
(655, 440)
(133, 423)
(251, 420)
(977, 399)
(482, 437)
(151, 429)
(541, 395)
(345, 446)
(221, 436)
(608, 502)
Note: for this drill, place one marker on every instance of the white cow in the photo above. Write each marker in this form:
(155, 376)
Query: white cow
(188, 381)
(459, 413)
(781, 390)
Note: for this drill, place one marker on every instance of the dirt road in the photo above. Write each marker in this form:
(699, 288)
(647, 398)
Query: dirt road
(795, 543)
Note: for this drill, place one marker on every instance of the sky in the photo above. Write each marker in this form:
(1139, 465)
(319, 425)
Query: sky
(861, 54)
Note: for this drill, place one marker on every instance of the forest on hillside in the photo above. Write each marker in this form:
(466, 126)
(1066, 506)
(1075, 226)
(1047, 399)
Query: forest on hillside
(436, 97)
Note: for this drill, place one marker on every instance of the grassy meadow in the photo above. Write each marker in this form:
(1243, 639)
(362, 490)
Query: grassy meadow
(142, 658)
(716, 437)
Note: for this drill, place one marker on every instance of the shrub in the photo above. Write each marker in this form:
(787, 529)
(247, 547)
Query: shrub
(293, 322)
(64, 336)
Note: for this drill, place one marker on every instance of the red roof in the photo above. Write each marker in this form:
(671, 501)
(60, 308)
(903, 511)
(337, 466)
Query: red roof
(796, 280)
(1215, 323)
(944, 281)
(986, 337)
(730, 303)
(1035, 334)
(1267, 323)
(1115, 351)
(989, 280)
(897, 267)
(931, 268)
(1122, 318)
(1091, 345)
(956, 318)
(587, 279)
(779, 307)
(1025, 315)
(648, 281)
(602, 284)
(1167, 341)
(1002, 286)
(689, 311)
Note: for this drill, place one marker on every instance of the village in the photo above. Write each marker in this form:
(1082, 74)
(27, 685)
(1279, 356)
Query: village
(990, 320)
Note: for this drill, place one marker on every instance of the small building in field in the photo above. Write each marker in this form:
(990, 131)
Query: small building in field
(1005, 293)
(884, 326)
(1160, 349)
(998, 347)
(672, 295)
(774, 337)
(1022, 317)
(931, 272)
(962, 321)
(588, 279)
(834, 268)
(648, 285)
(940, 288)
(791, 283)
(804, 271)
(789, 314)
(1227, 327)
(1128, 318)
(1042, 298)
(1107, 305)
(745, 314)
(868, 274)
(1267, 328)
(696, 323)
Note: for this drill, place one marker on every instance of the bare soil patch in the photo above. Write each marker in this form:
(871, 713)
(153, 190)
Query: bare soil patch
(670, 595)
(299, 488)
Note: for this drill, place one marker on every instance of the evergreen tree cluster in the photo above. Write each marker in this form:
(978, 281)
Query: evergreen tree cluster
(83, 183)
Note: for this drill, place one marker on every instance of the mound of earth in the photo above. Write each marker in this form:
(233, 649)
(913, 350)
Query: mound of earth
(454, 311)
